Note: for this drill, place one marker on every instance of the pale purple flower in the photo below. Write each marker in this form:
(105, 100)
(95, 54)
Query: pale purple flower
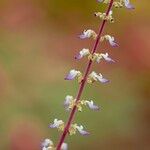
(82, 53)
(88, 34)
(72, 74)
(56, 123)
(111, 40)
(107, 58)
(102, 79)
(128, 4)
(98, 77)
(91, 105)
(82, 131)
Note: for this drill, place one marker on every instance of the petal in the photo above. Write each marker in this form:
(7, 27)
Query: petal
(64, 146)
(108, 59)
(130, 6)
(83, 132)
(44, 148)
(102, 80)
(78, 56)
(72, 74)
(53, 126)
(94, 107)
(82, 36)
(113, 44)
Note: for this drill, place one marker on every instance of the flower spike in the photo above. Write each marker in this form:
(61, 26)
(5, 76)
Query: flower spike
(82, 53)
(88, 34)
(76, 104)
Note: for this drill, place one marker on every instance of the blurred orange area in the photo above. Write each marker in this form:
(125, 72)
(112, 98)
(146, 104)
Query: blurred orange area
(38, 42)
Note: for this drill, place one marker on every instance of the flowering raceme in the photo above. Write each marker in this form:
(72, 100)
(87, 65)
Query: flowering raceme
(76, 104)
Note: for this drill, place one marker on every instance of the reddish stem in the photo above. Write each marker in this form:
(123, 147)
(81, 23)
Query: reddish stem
(72, 114)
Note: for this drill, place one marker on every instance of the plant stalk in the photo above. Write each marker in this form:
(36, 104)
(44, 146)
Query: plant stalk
(83, 82)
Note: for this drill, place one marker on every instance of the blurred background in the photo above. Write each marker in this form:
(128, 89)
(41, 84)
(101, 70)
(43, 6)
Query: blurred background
(38, 41)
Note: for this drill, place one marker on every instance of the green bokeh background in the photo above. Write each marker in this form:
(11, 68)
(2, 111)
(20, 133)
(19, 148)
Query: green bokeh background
(38, 41)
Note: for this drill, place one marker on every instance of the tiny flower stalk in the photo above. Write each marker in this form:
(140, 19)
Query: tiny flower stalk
(72, 104)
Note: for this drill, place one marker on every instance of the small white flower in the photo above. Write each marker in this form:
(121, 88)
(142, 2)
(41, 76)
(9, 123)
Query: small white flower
(91, 105)
(111, 40)
(128, 4)
(72, 74)
(82, 53)
(81, 130)
(56, 124)
(107, 58)
(88, 34)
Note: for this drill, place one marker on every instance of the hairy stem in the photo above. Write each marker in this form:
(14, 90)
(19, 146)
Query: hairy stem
(82, 85)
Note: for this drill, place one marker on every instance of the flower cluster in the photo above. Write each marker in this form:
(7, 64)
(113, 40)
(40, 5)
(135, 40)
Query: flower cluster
(103, 16)
(97, 57)
(119, 3)
(47, 144)
(59, 124)
(72, 104)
